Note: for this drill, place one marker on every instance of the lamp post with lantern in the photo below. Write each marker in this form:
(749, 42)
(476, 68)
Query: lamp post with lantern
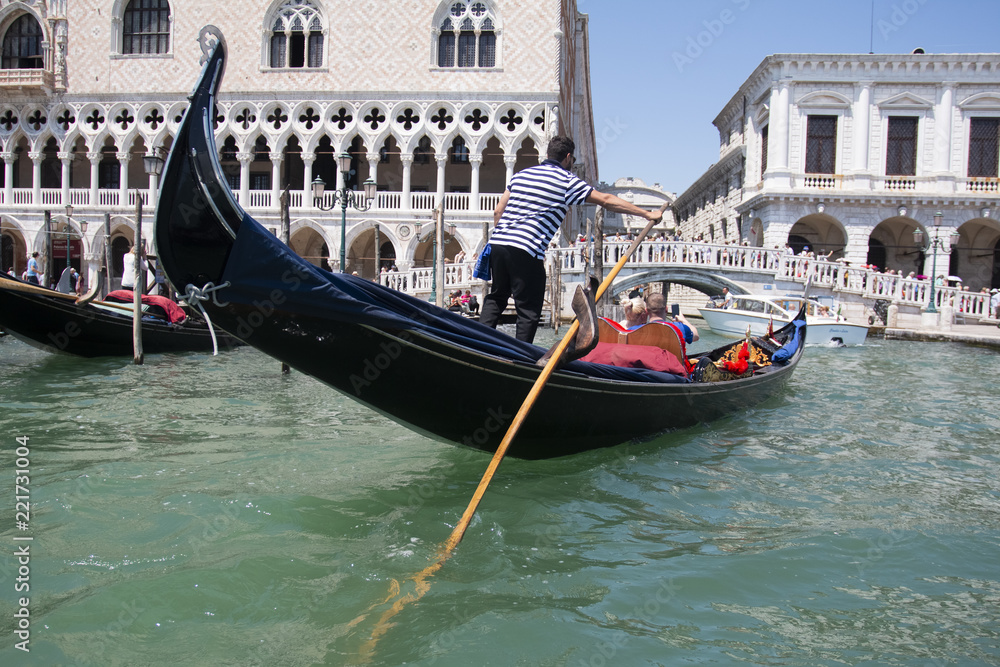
(153, 165)
(346, 198)
(934, 243)
(69, 235)
(437, 255)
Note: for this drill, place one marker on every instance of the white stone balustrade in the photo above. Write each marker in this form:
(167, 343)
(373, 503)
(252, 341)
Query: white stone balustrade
(865, 283)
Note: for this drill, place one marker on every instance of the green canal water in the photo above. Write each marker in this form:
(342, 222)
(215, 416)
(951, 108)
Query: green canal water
(204, 510)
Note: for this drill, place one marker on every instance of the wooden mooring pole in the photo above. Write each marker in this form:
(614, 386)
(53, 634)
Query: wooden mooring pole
(140, 283)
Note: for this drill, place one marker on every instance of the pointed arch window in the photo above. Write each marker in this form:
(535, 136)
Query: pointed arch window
(22, 44)
(422, 153)
(146, 27)
(446, 45)
(487, 45)
(459, 151)
(297, 36)
(467, 37)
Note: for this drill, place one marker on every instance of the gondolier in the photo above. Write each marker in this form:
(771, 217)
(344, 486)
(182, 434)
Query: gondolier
(527, 218)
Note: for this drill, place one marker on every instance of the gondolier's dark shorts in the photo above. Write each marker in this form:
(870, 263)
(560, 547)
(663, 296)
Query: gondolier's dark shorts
(519, 274)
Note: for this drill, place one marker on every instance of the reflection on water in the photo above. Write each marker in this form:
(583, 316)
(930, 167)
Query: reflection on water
(211, 511)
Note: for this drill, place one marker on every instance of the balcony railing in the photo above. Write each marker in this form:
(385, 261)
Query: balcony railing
(899, 184)
(982, 184)
(822, 181)
(26, 78)
(258, 200)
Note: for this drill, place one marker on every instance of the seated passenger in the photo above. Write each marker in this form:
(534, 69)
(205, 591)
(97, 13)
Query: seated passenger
(657, 306)
(635, 313)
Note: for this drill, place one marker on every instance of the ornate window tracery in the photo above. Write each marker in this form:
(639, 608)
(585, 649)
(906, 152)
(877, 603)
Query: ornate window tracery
(467, 36)
(296, 36)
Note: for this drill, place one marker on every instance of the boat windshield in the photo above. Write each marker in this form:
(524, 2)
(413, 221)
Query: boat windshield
(749, 305)
(759, 306)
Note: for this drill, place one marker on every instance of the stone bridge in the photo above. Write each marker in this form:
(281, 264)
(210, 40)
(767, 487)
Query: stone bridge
(708, 268)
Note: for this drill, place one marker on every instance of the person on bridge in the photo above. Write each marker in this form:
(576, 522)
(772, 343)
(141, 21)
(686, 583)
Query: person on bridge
(527, 218)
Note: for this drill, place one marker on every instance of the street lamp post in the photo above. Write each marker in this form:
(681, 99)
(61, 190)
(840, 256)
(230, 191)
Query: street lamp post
(346, 198)
(69, 235)
(437, 256)
(933, 244)
(69, 229)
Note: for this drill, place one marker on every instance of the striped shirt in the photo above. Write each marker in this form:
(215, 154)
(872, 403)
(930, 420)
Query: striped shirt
(539, 200)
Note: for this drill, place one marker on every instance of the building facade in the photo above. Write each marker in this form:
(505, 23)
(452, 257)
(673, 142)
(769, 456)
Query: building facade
(849, 155)
(439, 102)
(649, 197)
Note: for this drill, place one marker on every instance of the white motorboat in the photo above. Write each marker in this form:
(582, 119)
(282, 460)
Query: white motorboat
(759, 312)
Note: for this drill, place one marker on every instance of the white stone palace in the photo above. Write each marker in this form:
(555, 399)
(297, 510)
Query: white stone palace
(850, 154)
(438, 101)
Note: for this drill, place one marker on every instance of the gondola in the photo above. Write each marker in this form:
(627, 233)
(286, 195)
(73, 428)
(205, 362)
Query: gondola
(56, 322)
(429, 369)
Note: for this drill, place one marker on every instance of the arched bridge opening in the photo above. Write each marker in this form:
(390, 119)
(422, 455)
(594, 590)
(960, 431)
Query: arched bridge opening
(702, 280)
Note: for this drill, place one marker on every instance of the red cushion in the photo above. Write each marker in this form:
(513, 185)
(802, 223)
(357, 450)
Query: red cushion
(175, 313)
(636, 356)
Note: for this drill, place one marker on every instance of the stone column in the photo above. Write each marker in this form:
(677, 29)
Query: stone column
(477, 162)
(307, 177)
(442, 161)
(778, 137)
(509, 161)
(36, 177)
(8, 177)
(95, 163)
(861, 112)
(373, 160)
(943, 112)
(245, 160)
(276, 159)
(856, 245)
(407, 161)
(340, 174)
(123, 159)
(66, 160)
(153, 185)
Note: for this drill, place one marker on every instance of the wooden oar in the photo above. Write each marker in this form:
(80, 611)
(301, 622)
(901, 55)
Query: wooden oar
(536, 389)
(421, 585)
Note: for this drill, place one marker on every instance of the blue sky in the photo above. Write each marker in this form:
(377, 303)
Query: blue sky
(661, 70)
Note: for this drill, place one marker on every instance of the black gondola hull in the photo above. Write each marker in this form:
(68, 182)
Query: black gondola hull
(471, 399)
(56, 324)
